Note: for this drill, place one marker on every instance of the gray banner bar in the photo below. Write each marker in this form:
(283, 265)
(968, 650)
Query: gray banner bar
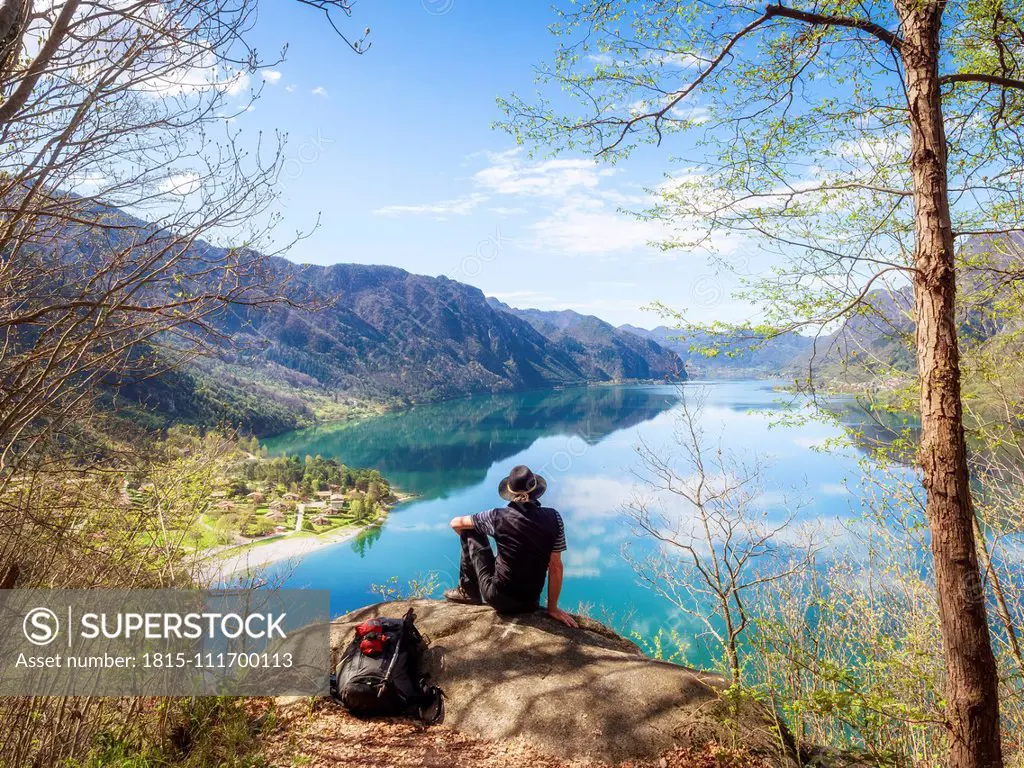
(141, 642)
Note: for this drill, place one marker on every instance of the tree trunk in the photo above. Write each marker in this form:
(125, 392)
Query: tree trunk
(972, 678)
(731, 651)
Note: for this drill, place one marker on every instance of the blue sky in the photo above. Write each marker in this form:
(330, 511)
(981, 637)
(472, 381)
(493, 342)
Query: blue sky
(395, 151)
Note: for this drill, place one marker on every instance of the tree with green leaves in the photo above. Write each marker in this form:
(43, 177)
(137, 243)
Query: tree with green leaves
(109, 111)
(848, 145)
(109, 107)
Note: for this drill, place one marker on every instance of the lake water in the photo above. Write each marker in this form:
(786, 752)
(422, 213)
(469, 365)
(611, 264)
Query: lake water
(583, 440)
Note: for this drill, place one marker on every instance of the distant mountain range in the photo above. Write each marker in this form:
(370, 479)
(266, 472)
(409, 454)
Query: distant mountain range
(387, 333)
(599, 350)
(378, 333)
(382, 333)
(876, 345)
(873, 345)
(738, 355)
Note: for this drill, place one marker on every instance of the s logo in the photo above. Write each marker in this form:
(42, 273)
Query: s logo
(41, 626)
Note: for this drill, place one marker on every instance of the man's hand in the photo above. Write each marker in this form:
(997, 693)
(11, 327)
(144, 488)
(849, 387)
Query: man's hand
(555, 572)
(559, 615)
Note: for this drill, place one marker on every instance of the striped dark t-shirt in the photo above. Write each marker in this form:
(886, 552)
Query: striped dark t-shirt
(526, 535)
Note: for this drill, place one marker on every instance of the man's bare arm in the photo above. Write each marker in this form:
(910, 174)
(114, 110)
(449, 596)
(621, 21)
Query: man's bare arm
(460, 524)
(555, 575)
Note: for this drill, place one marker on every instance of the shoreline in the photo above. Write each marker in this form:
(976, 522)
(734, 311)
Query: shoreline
(257, 555)
(253, 556)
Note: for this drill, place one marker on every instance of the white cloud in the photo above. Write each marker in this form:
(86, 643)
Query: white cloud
(593, 496)
(186, 66)
(586, 219)
(834, 489)
(508, 174)
(272, 76)
(290, 88)
(459, 206)
(588, 226)
(583, 563)
(320, 91)
(695, 191)
(681, 60)
(190, 69)
(181, 183)
(580, 214)
(874, 150)
(690, 112)
(235, 83)
(656, 58)
(196, 80)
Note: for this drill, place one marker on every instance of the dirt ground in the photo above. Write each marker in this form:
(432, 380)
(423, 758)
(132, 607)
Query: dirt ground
(328, 737)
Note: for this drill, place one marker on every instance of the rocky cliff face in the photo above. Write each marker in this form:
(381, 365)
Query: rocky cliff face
(379, 331)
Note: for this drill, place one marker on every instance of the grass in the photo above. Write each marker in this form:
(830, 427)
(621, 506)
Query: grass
(205, 533)
(187, 733)
(345, 524)
(208, 536)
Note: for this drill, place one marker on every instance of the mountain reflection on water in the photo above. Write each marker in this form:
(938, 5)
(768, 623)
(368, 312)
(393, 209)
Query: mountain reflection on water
(433, 450)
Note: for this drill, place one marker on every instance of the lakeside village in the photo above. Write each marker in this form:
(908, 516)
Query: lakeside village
(250, 500)
(273, 497)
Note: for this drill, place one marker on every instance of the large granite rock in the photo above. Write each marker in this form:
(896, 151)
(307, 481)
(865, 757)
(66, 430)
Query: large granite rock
(584, 693)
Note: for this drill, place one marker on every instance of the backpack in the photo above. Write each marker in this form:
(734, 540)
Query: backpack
(380, 672)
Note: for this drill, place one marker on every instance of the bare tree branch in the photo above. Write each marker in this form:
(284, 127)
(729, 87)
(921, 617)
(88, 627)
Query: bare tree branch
(864, 25)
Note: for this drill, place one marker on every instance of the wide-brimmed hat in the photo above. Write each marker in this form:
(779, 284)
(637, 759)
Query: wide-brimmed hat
(521, 484)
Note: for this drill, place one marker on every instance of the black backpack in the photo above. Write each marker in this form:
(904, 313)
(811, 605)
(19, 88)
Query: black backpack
(380, 673)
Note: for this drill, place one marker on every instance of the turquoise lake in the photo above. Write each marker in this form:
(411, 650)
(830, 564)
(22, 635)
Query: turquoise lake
(452, 455)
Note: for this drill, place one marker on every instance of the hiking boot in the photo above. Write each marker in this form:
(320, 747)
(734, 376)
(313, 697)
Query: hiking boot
(459, 595)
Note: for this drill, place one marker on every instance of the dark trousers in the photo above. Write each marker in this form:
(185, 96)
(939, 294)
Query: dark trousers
(476, 575)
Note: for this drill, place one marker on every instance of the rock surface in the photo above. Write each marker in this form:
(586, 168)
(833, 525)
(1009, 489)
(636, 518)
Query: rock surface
(325, 736)
(585, 693)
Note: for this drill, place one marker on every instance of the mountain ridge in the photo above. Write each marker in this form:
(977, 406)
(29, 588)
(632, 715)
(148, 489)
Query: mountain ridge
(600, 350)
(388, 332)
(739, 355)
(373, 332)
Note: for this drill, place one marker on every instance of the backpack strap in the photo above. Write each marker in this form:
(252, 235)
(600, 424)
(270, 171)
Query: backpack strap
(434, 699)
(430, 702)
(409, 619)
(395, 653)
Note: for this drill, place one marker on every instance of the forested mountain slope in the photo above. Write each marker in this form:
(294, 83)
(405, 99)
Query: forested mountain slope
(600, 350)
(371, 332)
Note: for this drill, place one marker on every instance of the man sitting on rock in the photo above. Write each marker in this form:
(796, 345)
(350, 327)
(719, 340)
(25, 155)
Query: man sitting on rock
(530, 540)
